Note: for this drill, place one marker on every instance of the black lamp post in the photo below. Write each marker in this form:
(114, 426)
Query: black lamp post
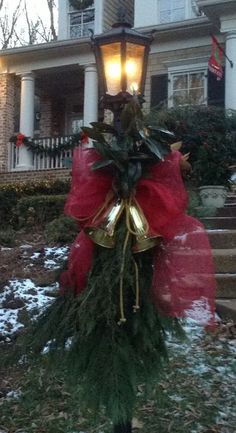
(121, 56)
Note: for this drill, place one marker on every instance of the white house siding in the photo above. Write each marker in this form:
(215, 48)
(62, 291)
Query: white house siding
(159, 63)
(110, 13)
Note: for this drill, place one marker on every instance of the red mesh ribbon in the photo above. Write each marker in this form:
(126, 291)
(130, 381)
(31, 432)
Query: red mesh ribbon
(183, 280)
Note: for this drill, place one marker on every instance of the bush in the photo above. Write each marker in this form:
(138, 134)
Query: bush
(39, 209)
(63, 229)
(8, 200)
(208, 133)
(7, 237)
(44, 187)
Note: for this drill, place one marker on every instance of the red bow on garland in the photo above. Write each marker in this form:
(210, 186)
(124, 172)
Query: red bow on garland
(19, 139)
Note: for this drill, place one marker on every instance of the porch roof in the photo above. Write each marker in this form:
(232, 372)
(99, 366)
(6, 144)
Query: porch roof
(48, 55)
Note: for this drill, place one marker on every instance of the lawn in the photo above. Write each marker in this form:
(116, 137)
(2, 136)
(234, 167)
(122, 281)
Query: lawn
(195, 393)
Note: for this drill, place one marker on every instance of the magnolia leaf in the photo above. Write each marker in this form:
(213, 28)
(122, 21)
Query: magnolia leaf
(102, 150)
(104, 127)
(154, 147)
(93, 133)
(176, 146)
(101, 164)
(162, 134)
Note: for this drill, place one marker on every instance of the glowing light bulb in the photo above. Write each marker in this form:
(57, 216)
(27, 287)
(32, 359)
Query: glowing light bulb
(130, 68)
(114, 70)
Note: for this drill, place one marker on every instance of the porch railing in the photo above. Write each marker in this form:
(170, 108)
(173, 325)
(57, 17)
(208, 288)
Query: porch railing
(44, 161)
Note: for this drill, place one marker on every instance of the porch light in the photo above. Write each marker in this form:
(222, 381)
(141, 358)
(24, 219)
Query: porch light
(121, 55)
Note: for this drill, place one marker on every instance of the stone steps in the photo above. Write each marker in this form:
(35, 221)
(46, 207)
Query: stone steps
(226, 286)
(225, 260)
(220, 239)
(221, 231)
(223, 222)
(226, 308)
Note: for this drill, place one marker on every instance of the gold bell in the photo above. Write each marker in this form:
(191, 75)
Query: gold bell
(104, 234)
(144, 240)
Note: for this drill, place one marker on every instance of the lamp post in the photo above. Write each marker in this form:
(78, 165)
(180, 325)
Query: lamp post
(121, 56)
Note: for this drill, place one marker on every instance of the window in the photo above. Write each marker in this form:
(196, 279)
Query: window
(188, 88)
(81, 22)
(172, 10)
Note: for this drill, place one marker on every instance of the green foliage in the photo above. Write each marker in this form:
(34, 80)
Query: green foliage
(39, 149)
(39, 209)
(62, 229)
(7, 237)
(12, 193)
(8, 200)
(129, 152)
(45, 187)
(209, 134)
(103, 361)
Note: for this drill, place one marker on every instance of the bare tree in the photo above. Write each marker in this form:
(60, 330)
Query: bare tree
(8, 24)
(34, 31)
(51, 8)
(32, 27)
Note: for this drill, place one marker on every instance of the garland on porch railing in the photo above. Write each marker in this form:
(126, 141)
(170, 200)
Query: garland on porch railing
(54, 150)
(81, 4)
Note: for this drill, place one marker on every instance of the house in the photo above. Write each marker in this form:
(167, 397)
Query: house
(48, 91)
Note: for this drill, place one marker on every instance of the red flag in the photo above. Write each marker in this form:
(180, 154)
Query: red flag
(215, 61)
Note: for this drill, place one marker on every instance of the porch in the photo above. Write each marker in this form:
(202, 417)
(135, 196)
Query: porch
(48, 104)
(53, 158)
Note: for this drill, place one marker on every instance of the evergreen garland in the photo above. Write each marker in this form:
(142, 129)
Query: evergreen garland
(39, 149)
(81, 4)
(102, 360)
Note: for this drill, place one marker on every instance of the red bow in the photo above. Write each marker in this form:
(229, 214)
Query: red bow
(19, 139)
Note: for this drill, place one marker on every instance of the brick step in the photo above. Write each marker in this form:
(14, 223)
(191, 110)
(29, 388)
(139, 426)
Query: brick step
(226, 308)
(221, 239)
(219, 222)
(225, 260)
(226, 286)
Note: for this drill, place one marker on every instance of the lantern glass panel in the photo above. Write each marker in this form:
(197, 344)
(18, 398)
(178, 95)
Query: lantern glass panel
(111, 54)
(134, 67)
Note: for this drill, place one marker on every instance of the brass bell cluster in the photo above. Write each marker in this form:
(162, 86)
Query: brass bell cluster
(104, 232)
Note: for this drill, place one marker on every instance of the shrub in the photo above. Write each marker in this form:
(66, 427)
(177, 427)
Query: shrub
(208, 133)
(39, 209)
(44, 187)
(8, 200)
(7, 237)
(62, 229)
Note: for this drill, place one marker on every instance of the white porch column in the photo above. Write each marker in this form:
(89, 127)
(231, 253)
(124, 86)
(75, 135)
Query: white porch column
(230, 72)
(25, 161)
(90, 94)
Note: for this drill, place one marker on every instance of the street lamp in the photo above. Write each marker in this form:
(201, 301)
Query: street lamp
(121, 56)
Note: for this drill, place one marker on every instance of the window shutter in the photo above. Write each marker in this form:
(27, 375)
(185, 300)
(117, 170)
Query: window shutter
(216, 90)
(159, 89)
